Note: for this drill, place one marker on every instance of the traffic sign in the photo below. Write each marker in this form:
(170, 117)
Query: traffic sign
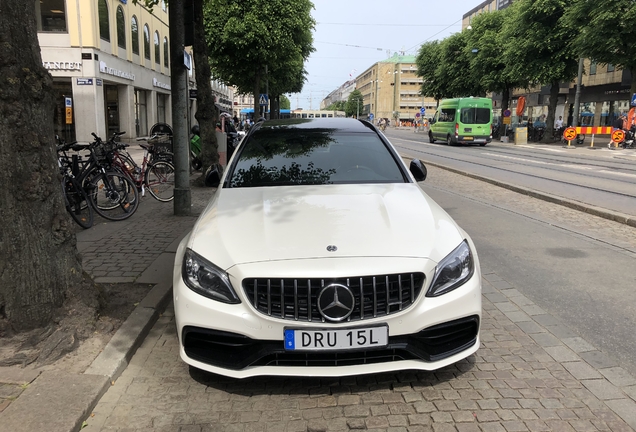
(507, 120)
(422, 110)
(569, 134)
(262, 99)
(370, 116)
(618, 136)
(633, 100)
(417, 115)
(507, 113)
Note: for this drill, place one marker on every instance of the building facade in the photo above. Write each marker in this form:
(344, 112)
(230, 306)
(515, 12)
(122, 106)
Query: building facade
(110, 65)
(391, 89)
(341, 94)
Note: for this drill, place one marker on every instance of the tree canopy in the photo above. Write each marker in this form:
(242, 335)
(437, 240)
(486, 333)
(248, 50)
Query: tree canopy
(246, 37)
(355, 104)
(608, 33)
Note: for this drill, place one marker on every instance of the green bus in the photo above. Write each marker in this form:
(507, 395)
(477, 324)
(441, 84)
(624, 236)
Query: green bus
(462, 121)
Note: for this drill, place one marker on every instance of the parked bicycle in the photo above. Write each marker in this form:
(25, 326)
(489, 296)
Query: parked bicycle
(155, 174)
(75, 198)
(111, 193)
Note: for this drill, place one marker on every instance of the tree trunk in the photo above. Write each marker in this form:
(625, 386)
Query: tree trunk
(554, 98)
(632, 89)
(207, 113)
(40, 268)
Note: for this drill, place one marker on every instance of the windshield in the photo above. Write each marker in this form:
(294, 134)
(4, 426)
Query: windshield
(279, 157)
(475, 115)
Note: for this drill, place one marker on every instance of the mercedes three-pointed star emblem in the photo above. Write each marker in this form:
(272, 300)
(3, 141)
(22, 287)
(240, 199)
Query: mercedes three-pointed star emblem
(336, 302)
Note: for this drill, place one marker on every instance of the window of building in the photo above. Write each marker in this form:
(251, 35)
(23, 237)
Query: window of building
(166, 50)
(163, 5)
(51, 15)
(146, 42)
(121, 28)
(135, 35)
(157, 49)
(161, 107)
(593, 68)
(610, 67)
(104, 30)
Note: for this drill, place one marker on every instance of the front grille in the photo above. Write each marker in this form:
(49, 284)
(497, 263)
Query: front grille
(296, 299)
(237, 352)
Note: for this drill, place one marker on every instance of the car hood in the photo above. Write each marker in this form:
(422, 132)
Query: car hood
(246, 225)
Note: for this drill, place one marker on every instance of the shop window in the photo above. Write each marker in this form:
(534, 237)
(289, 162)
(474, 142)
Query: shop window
(593, 68)
(157, 49)
(161, 107)
(166, 50)
(104, 30)
(135, 35)
(146, 42)
(51, 15)
(610, 67)
(121, 28)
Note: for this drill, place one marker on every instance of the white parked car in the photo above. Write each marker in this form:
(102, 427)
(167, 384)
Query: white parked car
(320, 255)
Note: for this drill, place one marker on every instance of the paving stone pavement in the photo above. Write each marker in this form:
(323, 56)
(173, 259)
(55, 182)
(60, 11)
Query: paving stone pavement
(532, 372)
(524, 378)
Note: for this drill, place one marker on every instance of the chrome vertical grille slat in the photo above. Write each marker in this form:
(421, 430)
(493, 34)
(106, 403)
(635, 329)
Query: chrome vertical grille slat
(375, 295)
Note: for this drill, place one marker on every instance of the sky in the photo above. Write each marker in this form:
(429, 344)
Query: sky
(352, 35)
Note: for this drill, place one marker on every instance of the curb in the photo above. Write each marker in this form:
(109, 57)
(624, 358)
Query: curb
(61, 402)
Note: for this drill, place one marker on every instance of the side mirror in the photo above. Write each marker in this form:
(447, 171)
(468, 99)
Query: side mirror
(418, 170)
(213, 176)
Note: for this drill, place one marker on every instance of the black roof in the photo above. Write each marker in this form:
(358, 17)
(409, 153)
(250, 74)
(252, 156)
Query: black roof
(340, 124)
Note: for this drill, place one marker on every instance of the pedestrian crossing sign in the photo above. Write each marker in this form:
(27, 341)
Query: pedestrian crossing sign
(262, 100)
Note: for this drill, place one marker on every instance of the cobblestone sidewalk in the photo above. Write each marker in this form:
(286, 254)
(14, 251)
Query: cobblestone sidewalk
(529, 375)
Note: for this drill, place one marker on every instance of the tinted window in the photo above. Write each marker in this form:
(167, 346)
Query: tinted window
(146, 42)
(279, 157)
(121, 28)
(135, 35)
(104, 31)
(52, 15)
(475, 115)
(447, 115)
(157, 49)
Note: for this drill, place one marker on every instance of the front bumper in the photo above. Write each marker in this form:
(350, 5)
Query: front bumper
(237, 341)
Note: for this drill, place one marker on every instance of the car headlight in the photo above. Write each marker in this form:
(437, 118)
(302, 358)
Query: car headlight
(204, 278)
(453, 271)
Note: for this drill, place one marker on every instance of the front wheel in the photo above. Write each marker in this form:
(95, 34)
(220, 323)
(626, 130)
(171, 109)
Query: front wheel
(449, 141)
(113, 195)
(160, 181)
(76, 202)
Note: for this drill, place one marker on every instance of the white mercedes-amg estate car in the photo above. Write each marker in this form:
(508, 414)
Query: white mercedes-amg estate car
(320, 255)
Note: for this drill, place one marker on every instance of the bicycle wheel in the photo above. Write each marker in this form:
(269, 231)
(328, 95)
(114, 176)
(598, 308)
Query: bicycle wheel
(77, 203)
(113, 195)
(160, 181)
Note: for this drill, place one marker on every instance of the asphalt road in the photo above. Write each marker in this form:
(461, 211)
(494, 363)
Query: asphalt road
(603, 178)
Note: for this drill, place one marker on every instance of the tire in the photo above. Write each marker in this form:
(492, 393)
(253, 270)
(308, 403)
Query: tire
(430, 137)
(449, 140)
(482, 144)
(160, 181)
(77, 204)
(113, 195)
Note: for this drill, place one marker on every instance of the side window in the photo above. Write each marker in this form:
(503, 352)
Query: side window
(447, 115)
(104, 31)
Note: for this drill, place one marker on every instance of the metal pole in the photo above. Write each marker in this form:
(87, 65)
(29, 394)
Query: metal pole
(577, 96)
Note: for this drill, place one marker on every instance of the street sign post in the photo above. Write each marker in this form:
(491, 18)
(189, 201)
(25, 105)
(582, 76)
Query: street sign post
(262, 99)
(633, 100)
(569, 134)
(423, 111)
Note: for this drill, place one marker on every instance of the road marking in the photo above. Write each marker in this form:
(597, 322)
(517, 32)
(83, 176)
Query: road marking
(563, 165)
(618, 173)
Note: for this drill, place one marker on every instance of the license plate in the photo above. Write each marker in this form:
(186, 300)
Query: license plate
(468, 138)
(336, 339)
